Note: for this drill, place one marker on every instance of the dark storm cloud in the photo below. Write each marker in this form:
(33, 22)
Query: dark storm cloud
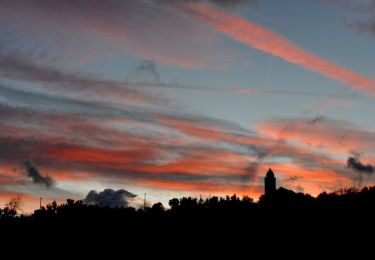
(362, 170)
(33, 172)
(357, 165)
(110, 198)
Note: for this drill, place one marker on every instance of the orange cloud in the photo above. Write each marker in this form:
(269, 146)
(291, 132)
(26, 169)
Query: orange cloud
(207, 188)
(333, 136)
(201, 162)
(313, 180)
(97, 156)
(274, 141)
(267, 41)
(169, 150)
(206, 132)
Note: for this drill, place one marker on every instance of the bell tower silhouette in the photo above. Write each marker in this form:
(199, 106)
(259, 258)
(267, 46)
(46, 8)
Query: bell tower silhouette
(269, 183)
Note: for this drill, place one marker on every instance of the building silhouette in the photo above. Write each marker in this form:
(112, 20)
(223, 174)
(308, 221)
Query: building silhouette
(269, 183)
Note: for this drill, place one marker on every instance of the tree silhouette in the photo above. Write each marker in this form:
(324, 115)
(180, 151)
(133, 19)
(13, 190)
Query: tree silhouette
(216, 214)
(11, 207)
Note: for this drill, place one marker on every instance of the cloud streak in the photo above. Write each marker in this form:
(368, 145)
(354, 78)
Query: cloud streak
(225, 4)
(78, 139)
(166, 148)
(81, 127)
(184, 158)
(145, 29)
(265, 40)
(21, 67)
(326, 134)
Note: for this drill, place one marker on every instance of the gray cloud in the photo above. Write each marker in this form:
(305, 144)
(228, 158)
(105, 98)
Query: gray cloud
(232, 3)
(315, 120)
(17, 184)
(33, 172)
(110, 198)
(145, 153)
(292, 179)
(29, 105)
(362, 170)
(225, 4)
(365, 10)
(366, 26)
(82, 93)
(357, 165)
(142, 28)
(145, 72)
(39, 122)
(23, 67)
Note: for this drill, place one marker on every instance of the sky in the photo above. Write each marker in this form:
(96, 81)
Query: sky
(111, 99)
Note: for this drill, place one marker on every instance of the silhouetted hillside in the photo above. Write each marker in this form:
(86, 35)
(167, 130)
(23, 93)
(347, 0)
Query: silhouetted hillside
(284, 206)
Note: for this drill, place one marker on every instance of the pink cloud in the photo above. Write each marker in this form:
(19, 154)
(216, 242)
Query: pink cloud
(312, 180)
(183, 152)
(91, 29)
(263, 39)
(207, 188)
(334, 136)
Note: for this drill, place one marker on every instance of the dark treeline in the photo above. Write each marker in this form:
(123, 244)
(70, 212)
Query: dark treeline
(282, 208)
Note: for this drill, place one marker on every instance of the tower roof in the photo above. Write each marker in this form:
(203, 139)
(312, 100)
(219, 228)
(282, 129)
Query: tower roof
(270, 173)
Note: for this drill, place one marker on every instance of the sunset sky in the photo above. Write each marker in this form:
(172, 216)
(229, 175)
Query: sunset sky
(184, 98)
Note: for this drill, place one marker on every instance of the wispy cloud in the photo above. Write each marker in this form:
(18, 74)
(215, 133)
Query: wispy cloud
(178, 149)
(224, 4)
(72, 138)
(22, 67)
(92, 29)
(334, 136)
(263, 39)
(82, 127)
(365, 10)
